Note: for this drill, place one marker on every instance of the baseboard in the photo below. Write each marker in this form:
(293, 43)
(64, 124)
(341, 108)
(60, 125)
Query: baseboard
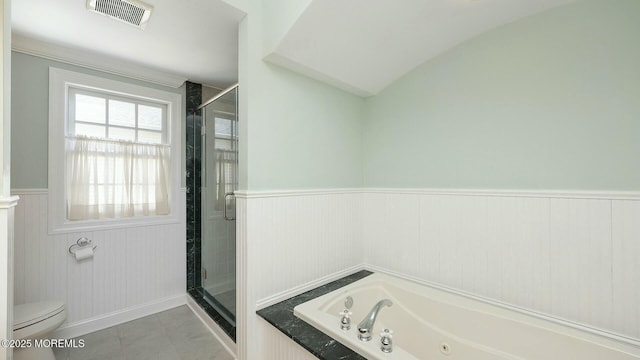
(284, 295)
(118, 317)
(217, 332)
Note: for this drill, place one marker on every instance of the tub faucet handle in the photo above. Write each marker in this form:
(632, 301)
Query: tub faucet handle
(345, 319)
(386, 344)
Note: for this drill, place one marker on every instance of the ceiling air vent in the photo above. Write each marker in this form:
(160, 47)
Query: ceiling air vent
(132, 12)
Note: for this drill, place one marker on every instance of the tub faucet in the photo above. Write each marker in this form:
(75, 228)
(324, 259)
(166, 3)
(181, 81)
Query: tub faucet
(366, 325)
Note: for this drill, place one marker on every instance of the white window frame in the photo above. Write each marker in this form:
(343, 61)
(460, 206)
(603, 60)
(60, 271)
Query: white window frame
(73, 90)
(59, 83)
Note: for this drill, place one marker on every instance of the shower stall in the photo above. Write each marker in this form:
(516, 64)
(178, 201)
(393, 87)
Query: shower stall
(219, 179)
(213, 179)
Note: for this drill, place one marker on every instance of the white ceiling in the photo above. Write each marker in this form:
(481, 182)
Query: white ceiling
(359, 45)
(364, 45)
(189, 39)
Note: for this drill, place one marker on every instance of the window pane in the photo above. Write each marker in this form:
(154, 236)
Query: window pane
(149, 117)
(122, 134)
(90, 130)
(223, 127)
(90, 109)
(122, 113)
(150, 137)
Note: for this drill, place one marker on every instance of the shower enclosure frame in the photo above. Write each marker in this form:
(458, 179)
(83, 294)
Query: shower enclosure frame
(194, 147)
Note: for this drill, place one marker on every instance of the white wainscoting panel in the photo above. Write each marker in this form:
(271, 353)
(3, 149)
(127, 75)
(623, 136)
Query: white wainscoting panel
(570, 256)
(626, 266)
(286, 240)
(278, 346)
(581, 277)
(131, 266)
(245, 313)
(517, 249)
(404, 215)
(302, 238)
(7, 222)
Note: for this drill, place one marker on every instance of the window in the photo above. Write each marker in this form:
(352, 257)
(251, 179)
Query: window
(226, 154)
(105, 116)
(113, 153)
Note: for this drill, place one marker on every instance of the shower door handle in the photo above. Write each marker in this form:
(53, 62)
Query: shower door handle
(225, 206)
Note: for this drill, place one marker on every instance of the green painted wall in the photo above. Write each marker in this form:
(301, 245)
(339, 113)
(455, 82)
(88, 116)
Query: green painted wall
(305, 135)
(548, 102)
(295, 132)
(30, 116)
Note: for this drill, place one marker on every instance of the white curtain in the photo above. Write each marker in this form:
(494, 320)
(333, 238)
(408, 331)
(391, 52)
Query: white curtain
(114, 179)
(225, 162)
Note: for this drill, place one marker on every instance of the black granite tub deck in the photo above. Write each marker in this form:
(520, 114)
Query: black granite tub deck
(315, 341)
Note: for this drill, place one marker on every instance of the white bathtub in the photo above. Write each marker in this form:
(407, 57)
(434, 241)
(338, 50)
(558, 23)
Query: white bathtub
(430, 324)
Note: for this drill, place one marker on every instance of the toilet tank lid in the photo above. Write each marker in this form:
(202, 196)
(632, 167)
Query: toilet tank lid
(31, 313)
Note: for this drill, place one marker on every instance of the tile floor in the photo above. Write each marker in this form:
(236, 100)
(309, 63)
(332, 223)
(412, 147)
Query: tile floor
(175, 334)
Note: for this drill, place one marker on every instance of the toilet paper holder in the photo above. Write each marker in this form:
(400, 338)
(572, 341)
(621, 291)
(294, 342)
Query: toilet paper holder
(81, 243)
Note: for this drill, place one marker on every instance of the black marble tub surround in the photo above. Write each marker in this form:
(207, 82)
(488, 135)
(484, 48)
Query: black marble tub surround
(315, 341)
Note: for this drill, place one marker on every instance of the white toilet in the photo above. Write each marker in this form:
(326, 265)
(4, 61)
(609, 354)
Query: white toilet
(36, 321)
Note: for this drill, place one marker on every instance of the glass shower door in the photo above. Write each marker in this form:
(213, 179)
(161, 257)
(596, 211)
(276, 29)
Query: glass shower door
(219, 181)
